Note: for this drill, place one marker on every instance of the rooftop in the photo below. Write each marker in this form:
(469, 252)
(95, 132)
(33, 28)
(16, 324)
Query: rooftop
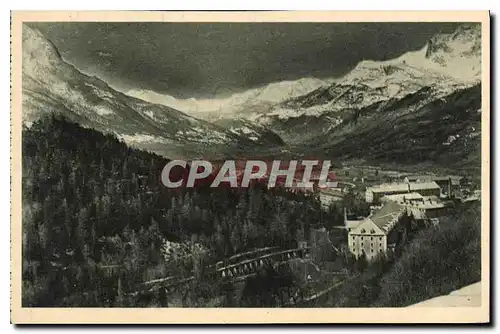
(415, 200)
(430, 202)
(402, 197)
(331, 191)
(455, 180)
(351, 224)
(402, 187)
(386, 215)
(382, 221)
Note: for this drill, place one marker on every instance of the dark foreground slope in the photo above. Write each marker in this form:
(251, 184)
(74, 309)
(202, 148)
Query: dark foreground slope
(95, 216)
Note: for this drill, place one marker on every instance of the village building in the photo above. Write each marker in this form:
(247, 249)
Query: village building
(403, 199)
(430, 208)
(392, 206)
(314, 182)
(418, 206)
(475, 196)
(373, 235)
(375, 193)
(450, 185)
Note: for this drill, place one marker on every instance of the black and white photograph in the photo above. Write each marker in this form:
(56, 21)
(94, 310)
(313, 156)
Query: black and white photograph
(206, 165)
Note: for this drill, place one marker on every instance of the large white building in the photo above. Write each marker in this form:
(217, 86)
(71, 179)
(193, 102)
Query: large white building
(370, 237)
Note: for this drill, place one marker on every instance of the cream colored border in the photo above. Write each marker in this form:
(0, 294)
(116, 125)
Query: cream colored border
(21, 315)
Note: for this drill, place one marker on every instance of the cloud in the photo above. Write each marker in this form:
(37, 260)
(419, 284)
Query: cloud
(207, 59)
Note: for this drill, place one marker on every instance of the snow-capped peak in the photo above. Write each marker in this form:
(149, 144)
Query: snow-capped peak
(457, 54)
(454, 56)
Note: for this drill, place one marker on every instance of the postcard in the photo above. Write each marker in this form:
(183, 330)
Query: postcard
(250, 167)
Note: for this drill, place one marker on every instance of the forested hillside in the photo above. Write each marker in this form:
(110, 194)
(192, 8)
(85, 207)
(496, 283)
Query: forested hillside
(95, 215)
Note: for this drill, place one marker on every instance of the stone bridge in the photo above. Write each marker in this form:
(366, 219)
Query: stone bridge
(235, 272)
(250, 266)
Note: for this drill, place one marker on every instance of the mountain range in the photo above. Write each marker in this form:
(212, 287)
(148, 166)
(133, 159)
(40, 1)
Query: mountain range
(414, 79)
(51, 85)
(424, 106)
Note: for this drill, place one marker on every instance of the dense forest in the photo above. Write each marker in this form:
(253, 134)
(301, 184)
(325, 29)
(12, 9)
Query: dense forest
(95, 215)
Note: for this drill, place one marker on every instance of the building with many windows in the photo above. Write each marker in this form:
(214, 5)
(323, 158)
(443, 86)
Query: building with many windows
(450, 185)
(371, 237)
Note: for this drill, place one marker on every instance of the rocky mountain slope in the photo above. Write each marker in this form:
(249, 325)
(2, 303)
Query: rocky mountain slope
(50, 85)
(416, 129)
(251, 130)
(446, 64)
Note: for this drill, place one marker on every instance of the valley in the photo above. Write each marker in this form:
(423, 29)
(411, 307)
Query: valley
(399, 98)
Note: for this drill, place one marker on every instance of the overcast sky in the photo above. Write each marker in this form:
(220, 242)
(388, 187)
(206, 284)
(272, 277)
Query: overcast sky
(217, 59)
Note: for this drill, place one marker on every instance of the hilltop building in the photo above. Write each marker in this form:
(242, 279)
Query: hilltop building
(375, 193)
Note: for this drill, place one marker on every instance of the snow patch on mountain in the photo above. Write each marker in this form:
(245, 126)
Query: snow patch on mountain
(190, 106)
(141, 138)
(103, 111)
(448, 62)
(234, 105)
